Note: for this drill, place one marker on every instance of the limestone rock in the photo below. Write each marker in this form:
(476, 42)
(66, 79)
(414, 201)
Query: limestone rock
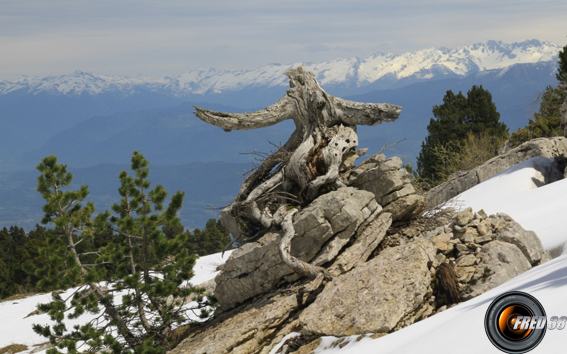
(464, 217)
(322, 230)
(526, 241)
(254, 329)
(252, 269)
(544, 147)
(466, 261)
(461, 248)
(482, 228)
(499, 263)
(385, 294)
(375, 296)
(441, 242)
(406, 207)
(379, 176)
(469, 235)
(365, 242)
(406, 190)
(494, 260)
(336, 214)
(389, 181)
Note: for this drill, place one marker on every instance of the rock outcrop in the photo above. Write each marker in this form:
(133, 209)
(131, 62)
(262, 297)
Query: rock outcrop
(334, 249)
(383, 281)
(322, 230)
(544, 147)
(487, 250)
(390, 183)
(384, 277)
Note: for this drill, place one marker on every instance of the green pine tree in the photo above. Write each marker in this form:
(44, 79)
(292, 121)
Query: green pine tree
(17, 250)
(457, 116)
(562, 67)
(149, 271)
(212, 239)
(547, 121)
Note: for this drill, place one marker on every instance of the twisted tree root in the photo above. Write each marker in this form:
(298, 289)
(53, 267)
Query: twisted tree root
(318, 274)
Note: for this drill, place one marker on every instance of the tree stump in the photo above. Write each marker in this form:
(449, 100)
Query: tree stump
(306, 165)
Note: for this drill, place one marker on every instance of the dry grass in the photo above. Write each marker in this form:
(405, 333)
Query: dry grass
(13, 348)
(177, 335)
(473, 151)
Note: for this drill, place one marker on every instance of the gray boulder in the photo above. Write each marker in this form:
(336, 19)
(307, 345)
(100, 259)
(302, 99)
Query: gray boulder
(527, 241)
(494, 249)
(375, 296)
(500, 262)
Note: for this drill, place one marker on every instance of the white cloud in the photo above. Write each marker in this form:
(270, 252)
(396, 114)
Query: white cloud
(146, 37)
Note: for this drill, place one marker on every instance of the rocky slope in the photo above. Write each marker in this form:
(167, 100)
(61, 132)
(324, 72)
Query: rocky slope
(389, 267)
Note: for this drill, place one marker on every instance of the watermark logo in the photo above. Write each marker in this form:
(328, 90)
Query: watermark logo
(516, 322)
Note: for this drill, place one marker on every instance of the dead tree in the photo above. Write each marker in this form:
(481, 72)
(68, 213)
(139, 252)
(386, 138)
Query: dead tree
(310, 160)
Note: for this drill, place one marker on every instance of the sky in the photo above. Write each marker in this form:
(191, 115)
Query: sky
(169, 37)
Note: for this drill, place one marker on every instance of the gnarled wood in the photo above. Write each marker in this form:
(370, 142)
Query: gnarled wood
(324, 137)
(304, 268)
(278, 112)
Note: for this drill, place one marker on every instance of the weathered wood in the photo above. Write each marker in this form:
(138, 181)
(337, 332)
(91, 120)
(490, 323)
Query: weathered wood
(304, 268)
(324, 137)
(278, 112)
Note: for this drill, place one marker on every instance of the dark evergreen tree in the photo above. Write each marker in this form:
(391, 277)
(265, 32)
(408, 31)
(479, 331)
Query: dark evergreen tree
(149, 272)
(17, 250)
(457, 116)
(212, 239)
(547, 121)
(562, 67)
(7, 286)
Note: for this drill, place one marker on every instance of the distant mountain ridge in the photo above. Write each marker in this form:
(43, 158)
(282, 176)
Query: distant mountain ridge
(379, 71)
(87, 119)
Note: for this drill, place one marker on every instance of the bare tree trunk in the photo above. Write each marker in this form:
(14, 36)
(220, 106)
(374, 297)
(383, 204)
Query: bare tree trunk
(325, 134)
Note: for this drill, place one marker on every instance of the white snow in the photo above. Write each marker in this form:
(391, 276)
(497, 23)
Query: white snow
(16, 329)
(423, 64)
(206, 267)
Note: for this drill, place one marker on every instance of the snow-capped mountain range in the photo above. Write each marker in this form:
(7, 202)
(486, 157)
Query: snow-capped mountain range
(432, 63)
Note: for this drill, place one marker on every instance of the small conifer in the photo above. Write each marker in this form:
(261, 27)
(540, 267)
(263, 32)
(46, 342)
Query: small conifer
(146, 292)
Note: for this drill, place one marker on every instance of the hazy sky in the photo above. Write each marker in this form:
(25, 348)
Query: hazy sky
(131, 37)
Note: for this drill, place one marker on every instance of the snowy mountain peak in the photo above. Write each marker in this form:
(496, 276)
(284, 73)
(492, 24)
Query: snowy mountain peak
(350, 72)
